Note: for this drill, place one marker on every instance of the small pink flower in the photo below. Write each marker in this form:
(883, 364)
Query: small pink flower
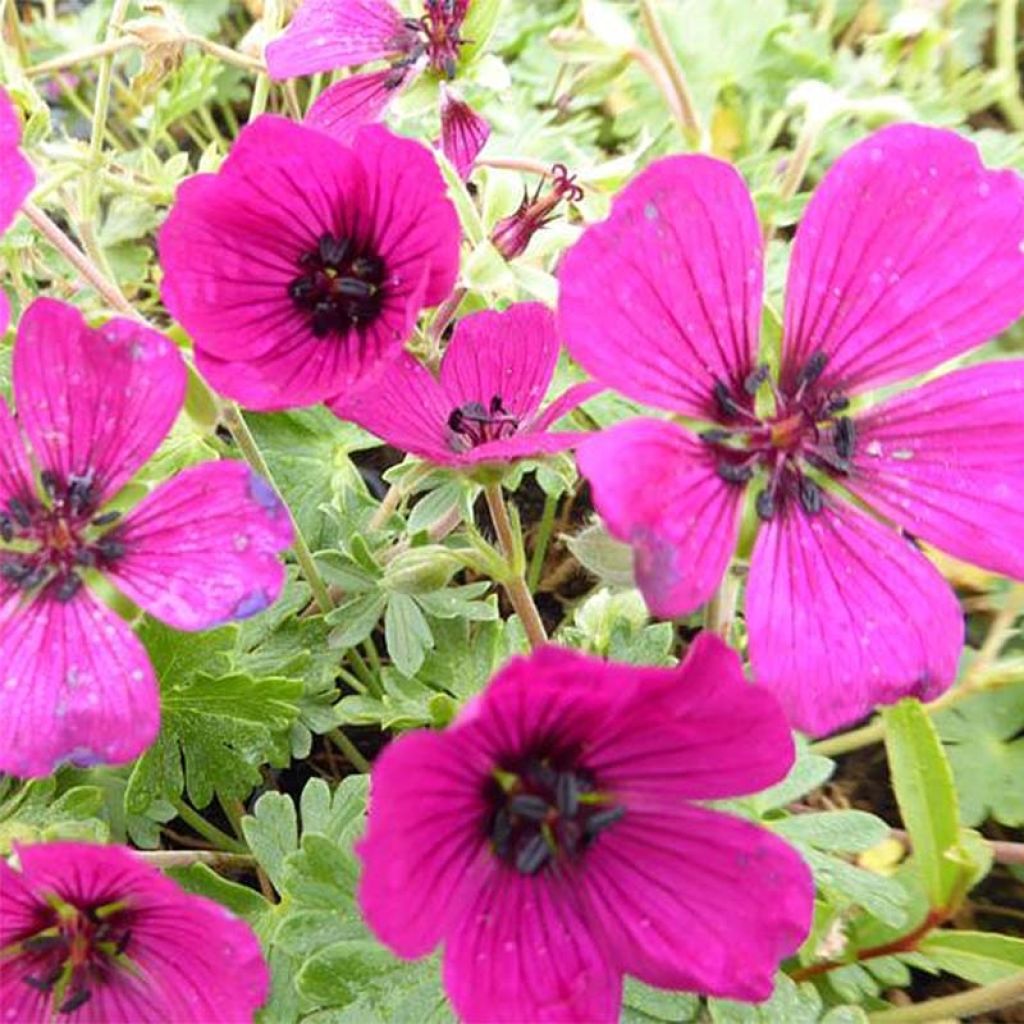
(92, 934)
(551, 841)
(300, 268)
(329, 34)
(485, 405)
(201, 549)
(909, 254)
(17, 179)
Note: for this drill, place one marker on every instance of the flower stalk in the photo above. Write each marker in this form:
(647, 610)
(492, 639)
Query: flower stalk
(686, 110)
(1005, 992)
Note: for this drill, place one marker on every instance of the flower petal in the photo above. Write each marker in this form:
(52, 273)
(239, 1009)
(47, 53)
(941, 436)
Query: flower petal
(94, 403)
(204, 547)
(526, 445)
(714, 736)
(843, 615)
(663, 298)
(669, 890)
(404, 406)
(76, 685)
(17, 178)
(909, 254)
(573, 397)
(349, 104)
(521, 952)
(329, 34)
(463, 133)
(509, 355)
(424, 843)
(15, 472)
(656, 487)
(944, 461)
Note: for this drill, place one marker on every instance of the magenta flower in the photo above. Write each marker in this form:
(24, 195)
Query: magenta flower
(17, 179)
(300, 268)
(329, 34)
(550, 839)
(909, 254)
(201, 549)
(92, 934)
(485, 405)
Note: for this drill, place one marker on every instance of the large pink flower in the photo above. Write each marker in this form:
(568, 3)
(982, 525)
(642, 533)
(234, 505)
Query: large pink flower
(329, 34)
(91, 934)
(909, 254)
(550, 839)
(485, 405)
(300, 267)
(16, 180)
(93, 405)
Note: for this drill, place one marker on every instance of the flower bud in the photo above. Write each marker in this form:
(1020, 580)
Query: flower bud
(420, 570)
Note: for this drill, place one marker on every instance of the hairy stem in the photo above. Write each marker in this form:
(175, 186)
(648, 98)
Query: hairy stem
(206, 829)
(514, 583)
(1005, 992)
(349, 749)
(540, 544)
(689, 119)
(660, 76)
(214, 859)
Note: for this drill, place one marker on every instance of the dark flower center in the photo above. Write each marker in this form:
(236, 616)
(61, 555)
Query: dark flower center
(542, 812)
(46, 543)
(341, 285)
(472, 424)
(438, 35)
(807, 436)
(76, 950)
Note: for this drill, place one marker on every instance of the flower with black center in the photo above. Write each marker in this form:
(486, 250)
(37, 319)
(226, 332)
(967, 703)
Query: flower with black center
(551, 839)
(301, 266)
(910, 254)
(90, 934)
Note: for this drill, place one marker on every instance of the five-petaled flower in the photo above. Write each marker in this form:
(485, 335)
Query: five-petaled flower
(329, 34)
(201, 549)
(16, 180)
(484, 407)
(300, 268)
(550, 840)
(909, 254)
(92, 934)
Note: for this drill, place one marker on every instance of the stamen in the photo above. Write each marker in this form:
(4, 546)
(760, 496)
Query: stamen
(67, 588)
(753, 381)
(602, 820)
(812, 370)
(77, 999)
(107, 518)
(734, 473)
(811, 497)
(20, 513)
(764, 505)
(845, 437)
(534, 855)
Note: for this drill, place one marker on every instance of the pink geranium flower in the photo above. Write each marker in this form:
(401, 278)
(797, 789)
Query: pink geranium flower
(329, 34)
(300, 268)
(909, 254)
(550, 839)
(484, 406)
(92, 406)
(92, 934)
(17, 179)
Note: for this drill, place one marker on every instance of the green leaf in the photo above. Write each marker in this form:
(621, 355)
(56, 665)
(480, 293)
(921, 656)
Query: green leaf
(406, 634)
(809, 771)
(355, 619)
(642, 1003)
(789, 1004)
(978, 957)
(879, 895)
(239, 899)
(272, 832)
(923, 783)
(845, 831)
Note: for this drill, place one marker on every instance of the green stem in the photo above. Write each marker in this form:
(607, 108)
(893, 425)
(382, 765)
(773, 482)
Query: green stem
(199, 824)
(1005, 992)
(688, 117)
(540, 545)
(349, 749)
(214, 859)
(515, 585)
(261, 90)
(1010, 102)
(251, 451)
(720, 611)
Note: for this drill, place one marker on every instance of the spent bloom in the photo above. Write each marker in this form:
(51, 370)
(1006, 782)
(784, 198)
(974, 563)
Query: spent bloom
(512, 234)
(909, 254)
(16, 180)
(485, 404)
(301, 266)
(201, 549)
(550, 839)
(93, 935)
(329, 34)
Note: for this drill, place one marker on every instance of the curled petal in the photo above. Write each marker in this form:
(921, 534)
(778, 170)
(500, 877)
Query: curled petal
(909, 254)
(204, 547)
(94, 403)
(663, 299)
(463, 133)
(657, 488)
(844, 614)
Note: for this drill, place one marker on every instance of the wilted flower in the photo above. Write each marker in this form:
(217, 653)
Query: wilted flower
(329, 34)
(91, 934)
(92, 406)
(909, 254)
(485, 404)
(300, 268)
(512, 234)
(17, 179)
(550, 840)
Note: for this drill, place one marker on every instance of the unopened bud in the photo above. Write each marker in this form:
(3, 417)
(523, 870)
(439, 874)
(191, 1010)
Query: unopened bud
(421, 570)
